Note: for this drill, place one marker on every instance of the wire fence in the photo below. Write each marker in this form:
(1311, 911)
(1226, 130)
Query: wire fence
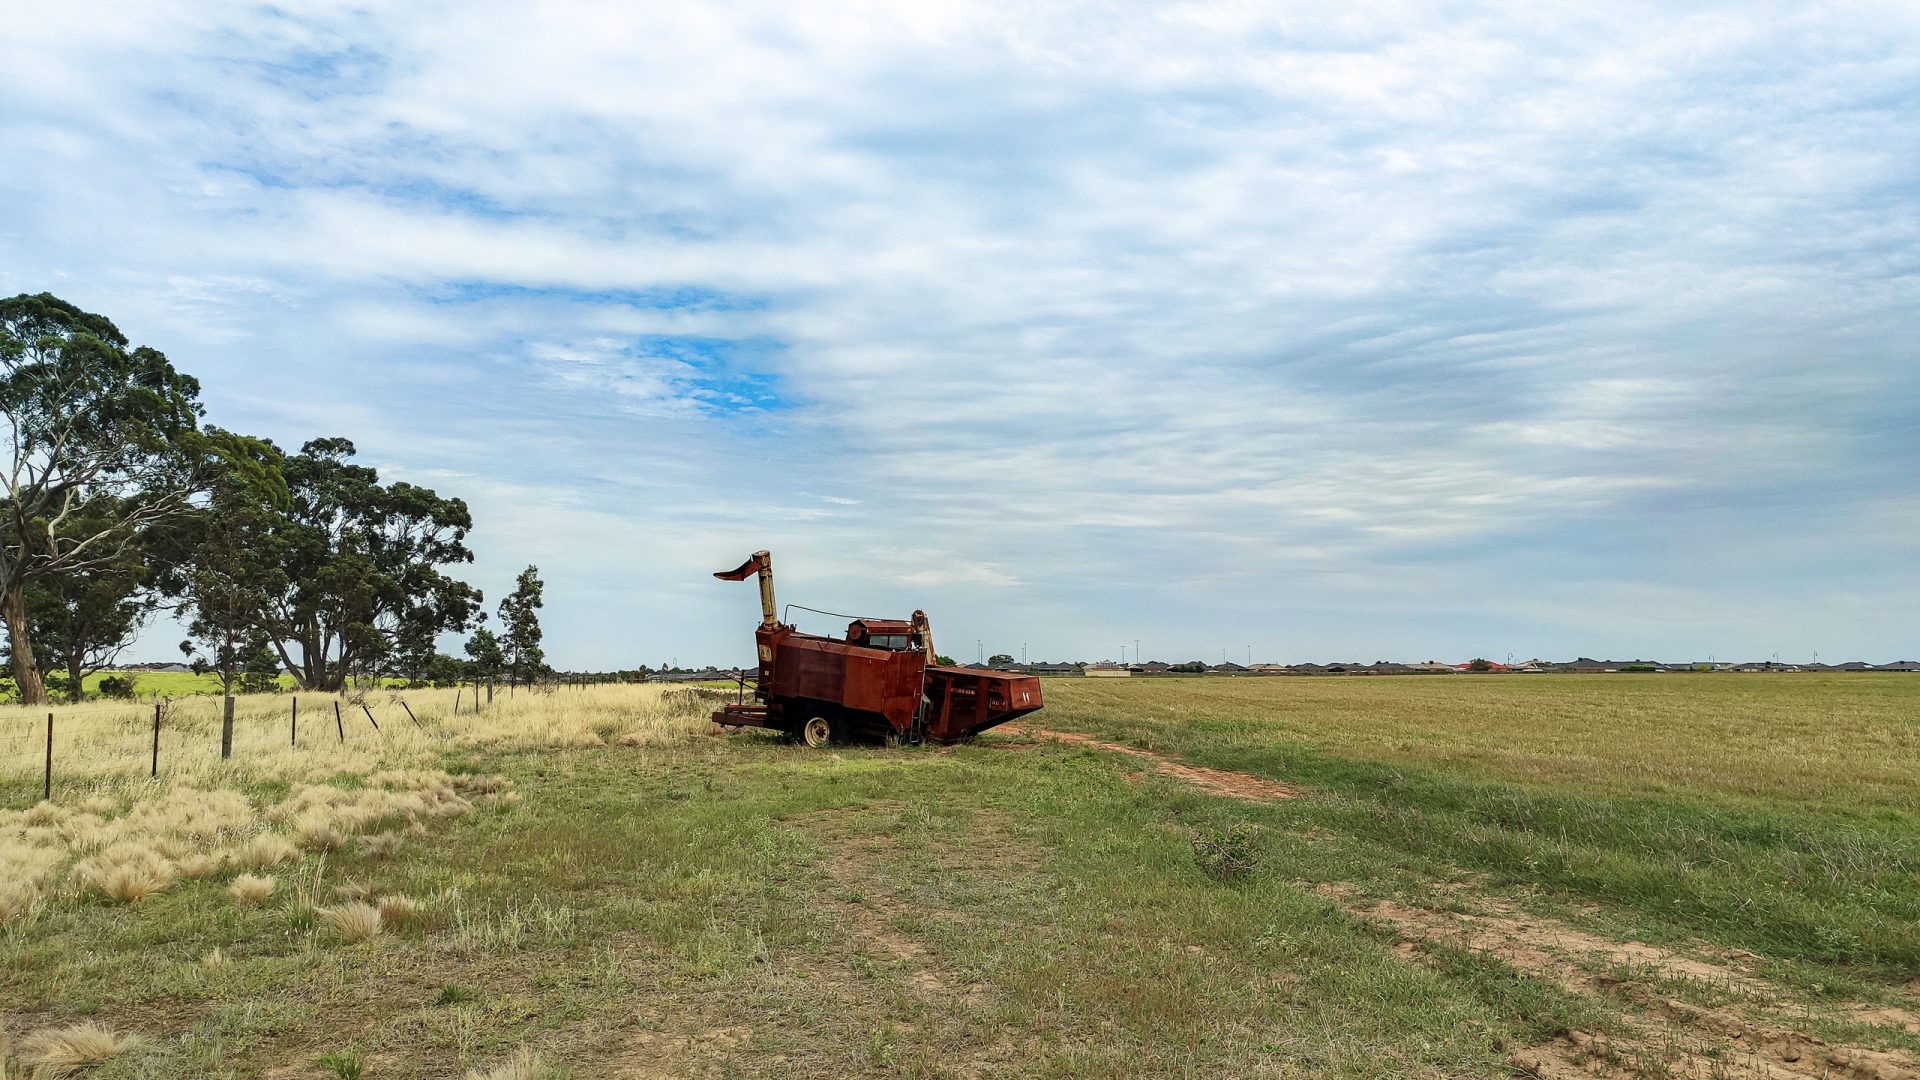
(81, 746)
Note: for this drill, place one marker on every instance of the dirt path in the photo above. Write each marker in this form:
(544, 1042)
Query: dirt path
(1754, 1032)
(1236, 785)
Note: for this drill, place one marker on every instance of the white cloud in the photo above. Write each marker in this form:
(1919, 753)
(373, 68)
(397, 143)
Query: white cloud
(1143, 310)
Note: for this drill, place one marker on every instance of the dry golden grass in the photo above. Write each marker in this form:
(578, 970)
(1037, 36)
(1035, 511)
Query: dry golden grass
(263, 851)
(381, 846)
(523, 1065)
(17, 899)
(353, 921)
(57, 1052)
(121, 835)
(395, 910)
(252, 888)
(108, 743)
(127, 872)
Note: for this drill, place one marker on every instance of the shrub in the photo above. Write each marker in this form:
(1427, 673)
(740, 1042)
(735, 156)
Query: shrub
(1229, 854)
(118, 687)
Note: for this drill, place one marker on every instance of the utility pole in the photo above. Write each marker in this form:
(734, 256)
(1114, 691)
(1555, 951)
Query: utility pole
(1249, 656)
(1136, 650)
(981, 648)
(1023, 654)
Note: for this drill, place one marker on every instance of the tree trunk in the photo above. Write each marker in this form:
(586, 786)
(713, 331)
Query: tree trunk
(76, 675)
(26, 674)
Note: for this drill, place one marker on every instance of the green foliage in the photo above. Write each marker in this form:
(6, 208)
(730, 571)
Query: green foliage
(346, 1064)
(999, 659)
(1191, 667)
(118, 687)
(1479, 664)
(96, 425)
(1229, 854)
(453, 994)
(520, 627)
(485, 654)
(944, 660)
(364, 591)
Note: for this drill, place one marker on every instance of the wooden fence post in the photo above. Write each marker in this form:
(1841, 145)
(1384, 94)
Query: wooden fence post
(226, 727)
(457, 688)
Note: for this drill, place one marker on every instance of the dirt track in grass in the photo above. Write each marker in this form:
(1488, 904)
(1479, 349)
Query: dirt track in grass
(1235, 785)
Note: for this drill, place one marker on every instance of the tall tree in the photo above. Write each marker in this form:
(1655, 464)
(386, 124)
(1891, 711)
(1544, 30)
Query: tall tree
(85, 417)
(227, 563)
(486, 658)
(520, 626)
(81, 620)
(365, 587)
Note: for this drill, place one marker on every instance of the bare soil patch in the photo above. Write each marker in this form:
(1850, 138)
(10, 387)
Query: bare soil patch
(1755, 1037)
(1235, 785)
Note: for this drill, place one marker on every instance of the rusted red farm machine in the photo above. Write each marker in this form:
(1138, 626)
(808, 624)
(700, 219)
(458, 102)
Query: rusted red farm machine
(880, 683)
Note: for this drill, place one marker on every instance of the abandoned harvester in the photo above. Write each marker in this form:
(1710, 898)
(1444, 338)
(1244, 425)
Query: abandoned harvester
(879, 683)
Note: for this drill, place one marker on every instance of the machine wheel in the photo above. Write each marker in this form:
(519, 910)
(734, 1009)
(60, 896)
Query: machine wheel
(817, 732)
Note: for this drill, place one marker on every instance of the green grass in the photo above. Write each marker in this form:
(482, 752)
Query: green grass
(743, 907)
(1771, 813)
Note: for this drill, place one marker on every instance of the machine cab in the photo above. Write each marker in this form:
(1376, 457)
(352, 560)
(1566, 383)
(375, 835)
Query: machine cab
(890, 634)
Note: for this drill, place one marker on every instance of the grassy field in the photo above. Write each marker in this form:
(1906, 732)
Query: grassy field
(1484, 877)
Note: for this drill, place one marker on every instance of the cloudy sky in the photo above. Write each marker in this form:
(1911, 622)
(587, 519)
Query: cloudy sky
(1430, 330)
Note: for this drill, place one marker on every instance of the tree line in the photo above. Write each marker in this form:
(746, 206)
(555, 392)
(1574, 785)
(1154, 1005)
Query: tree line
(121, 502)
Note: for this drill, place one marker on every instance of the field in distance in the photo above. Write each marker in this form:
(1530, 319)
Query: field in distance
(1498, 876)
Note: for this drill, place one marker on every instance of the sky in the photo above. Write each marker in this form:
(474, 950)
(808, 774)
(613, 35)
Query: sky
(1282, 331)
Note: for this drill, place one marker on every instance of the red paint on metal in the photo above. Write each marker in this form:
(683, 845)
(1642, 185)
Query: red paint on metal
(877, 682)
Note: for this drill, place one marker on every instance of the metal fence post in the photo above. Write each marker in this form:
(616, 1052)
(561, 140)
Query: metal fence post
(156, 741)
(46, 790)
(410, 716)
(337, 724)
(370, 719)
(293, 729)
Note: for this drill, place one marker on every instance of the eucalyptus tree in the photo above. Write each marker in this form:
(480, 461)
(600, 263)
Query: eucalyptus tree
(366, 586)
(80, 620)
(86, 418)
(520, 626)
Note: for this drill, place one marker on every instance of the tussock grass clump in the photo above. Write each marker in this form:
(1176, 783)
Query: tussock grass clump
(200, 864)
(17, 898)
(353, 922)
(381, 846)
(57, 1052)
(397, 909)
(252, 888)
(125, 872)
(523, 1065)
(263, 851)
(43, 813)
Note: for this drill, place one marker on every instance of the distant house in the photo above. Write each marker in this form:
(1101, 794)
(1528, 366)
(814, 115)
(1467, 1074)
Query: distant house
(1107, 669)
(1228, 668)
(1154, 667)
(1900, 665)
(1431, 667)
(1052, 669)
